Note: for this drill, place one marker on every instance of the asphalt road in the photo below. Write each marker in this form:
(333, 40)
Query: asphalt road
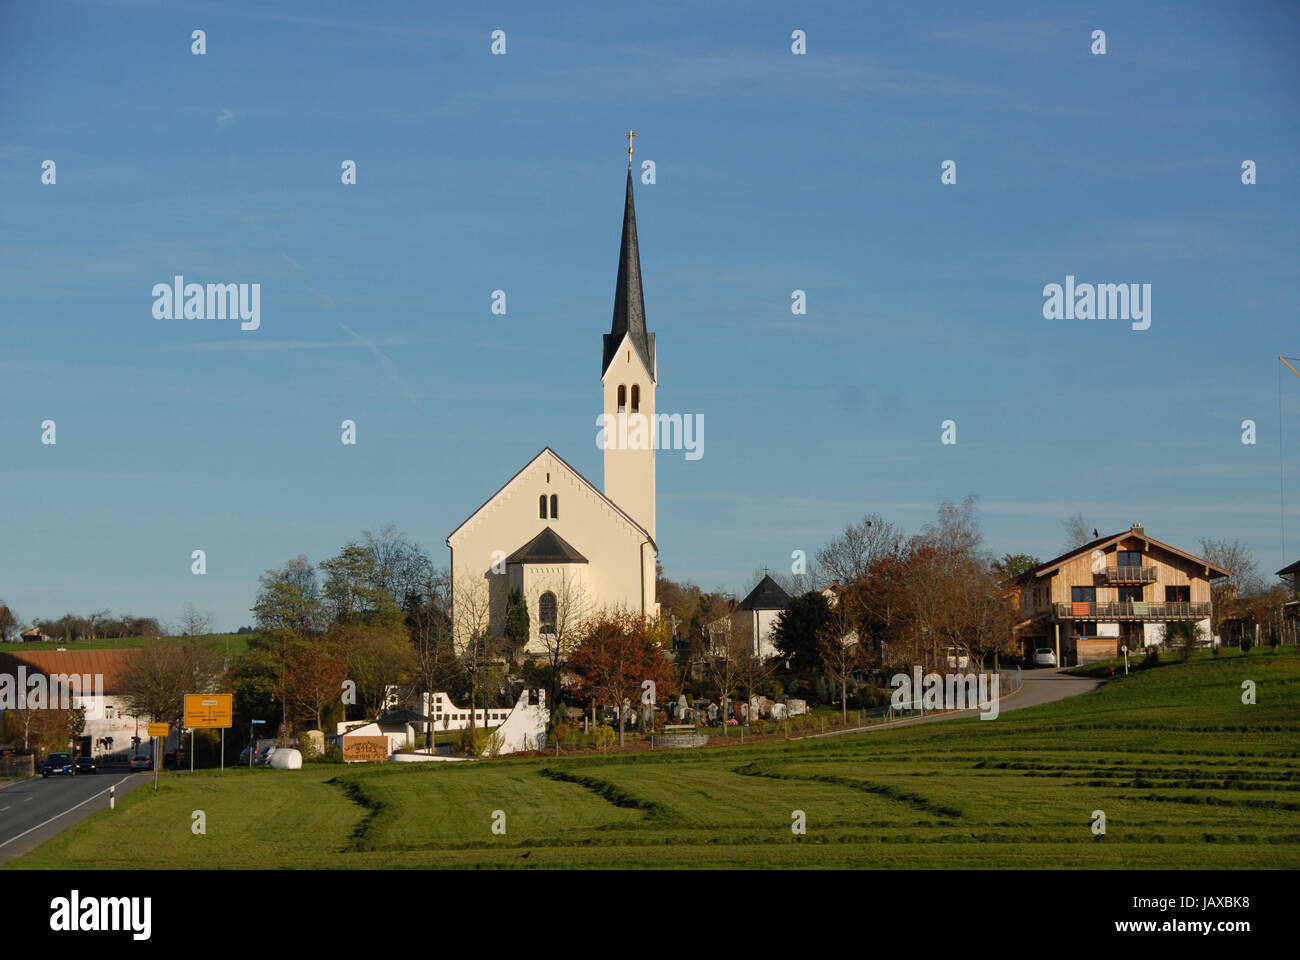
(35, 809)
(1040, 686)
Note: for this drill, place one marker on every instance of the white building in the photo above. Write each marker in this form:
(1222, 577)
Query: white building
(568, 548)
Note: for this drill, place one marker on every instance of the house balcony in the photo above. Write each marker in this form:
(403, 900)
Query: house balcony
(1130, 610)
(1117, 575)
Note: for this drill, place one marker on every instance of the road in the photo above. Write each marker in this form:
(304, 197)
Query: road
(1039, 687)
(35, 809)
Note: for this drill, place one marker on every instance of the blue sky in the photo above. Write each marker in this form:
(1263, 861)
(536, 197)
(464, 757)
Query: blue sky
(774, 172)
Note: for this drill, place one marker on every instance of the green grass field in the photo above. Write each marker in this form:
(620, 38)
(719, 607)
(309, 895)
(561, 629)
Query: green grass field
(1186, 775)
(219, 643)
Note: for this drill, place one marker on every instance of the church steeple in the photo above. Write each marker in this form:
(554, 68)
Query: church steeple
(629, 303)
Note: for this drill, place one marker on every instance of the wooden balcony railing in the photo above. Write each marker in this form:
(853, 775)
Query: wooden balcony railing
(1130, 574)
(1131, 610)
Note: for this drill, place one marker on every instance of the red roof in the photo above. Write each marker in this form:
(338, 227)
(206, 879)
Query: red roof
(109, 664)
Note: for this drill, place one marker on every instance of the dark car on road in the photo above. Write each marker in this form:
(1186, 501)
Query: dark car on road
(141, 763)
(59, 764)
(87, 765)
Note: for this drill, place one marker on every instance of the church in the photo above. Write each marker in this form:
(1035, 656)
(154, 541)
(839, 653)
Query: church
(550, 537)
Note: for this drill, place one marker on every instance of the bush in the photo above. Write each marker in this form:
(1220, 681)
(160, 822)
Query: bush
(758, 727)
(563, 733)
(470, 742)
(603, 736)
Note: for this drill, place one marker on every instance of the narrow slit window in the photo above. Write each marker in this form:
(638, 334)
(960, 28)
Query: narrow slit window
(555, 506)
(541, 506)
(622, 398)
(636, 398)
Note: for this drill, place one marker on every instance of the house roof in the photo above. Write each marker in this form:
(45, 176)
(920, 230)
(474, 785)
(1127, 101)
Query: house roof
(1289, 569)
(547, 547)
(768, 595)
(568, 466)
(629, 303)
(1051, 566)
(110, 664)
(402, 717)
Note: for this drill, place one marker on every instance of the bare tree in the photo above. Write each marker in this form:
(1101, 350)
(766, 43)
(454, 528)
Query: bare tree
(841, 651)
(573, 611)
(429, 620)
(851, 556)
(727, 646)
(194, 623)
(471, 625)
(158, 675)
(1076, 532)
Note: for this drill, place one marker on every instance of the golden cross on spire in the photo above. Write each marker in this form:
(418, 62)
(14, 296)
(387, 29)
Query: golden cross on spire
(631, 135)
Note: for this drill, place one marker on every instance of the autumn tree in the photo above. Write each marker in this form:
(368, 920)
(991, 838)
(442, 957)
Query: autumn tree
(561, 638)
(315, 679)
(617, 652)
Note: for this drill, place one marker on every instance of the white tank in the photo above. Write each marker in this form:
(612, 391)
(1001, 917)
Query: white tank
(286, 758)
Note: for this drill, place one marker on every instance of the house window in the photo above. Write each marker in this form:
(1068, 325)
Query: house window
(1129, 558)
(546, 615)
(541, 506)
(555, 506)
(636, 398)
(1178, 594)
(1129, 594)
(1078, 594)
(622, 398)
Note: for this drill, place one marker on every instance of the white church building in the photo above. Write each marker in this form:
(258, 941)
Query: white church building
(569, 548)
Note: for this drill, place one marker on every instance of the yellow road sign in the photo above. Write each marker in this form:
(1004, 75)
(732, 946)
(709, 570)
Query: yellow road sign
(208, 710)
(159, 729)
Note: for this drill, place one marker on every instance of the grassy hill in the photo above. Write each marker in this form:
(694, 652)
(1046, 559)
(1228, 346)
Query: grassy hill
(1186, 775)
(236, 643)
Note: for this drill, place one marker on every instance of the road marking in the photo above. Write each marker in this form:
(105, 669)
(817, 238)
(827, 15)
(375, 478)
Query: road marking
(3, 809)
(65, 812)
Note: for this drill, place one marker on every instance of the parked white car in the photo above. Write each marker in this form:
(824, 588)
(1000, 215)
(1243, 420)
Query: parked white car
(1044, 657)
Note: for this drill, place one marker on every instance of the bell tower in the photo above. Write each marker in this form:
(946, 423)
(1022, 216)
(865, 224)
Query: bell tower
(629, 375)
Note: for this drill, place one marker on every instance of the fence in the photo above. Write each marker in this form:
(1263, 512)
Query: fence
(1008, 683)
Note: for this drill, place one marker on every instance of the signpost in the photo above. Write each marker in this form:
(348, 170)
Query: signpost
(157, 730)
(209, 711)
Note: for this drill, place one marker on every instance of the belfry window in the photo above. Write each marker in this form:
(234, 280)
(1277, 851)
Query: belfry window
(622, 398)
(546, 615)
(555, 506)
(541, 506)
(636, 398)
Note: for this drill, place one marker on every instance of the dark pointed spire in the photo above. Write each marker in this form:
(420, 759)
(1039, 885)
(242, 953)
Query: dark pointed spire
(629, 304)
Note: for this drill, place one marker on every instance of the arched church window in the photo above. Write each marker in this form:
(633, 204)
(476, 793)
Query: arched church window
(555, 506)
(636, 398)
(541, 506)
(546, 615)
(622, 398)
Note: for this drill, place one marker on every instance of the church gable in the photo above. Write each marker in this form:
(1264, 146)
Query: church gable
(547, 476)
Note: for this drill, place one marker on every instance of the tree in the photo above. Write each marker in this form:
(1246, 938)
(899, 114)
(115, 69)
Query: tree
(158, 675)
(726, 655)
(1229, 595)
(617, 652)
(840, 649)
(797, 628)
(1012, 565)
(1076, 532)
(428, 619)
(315, 679)
(572, 611)
(851, 556)
(195, 623)
(9, 626)
(289, 600)
(370, 579)
(377, 657)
